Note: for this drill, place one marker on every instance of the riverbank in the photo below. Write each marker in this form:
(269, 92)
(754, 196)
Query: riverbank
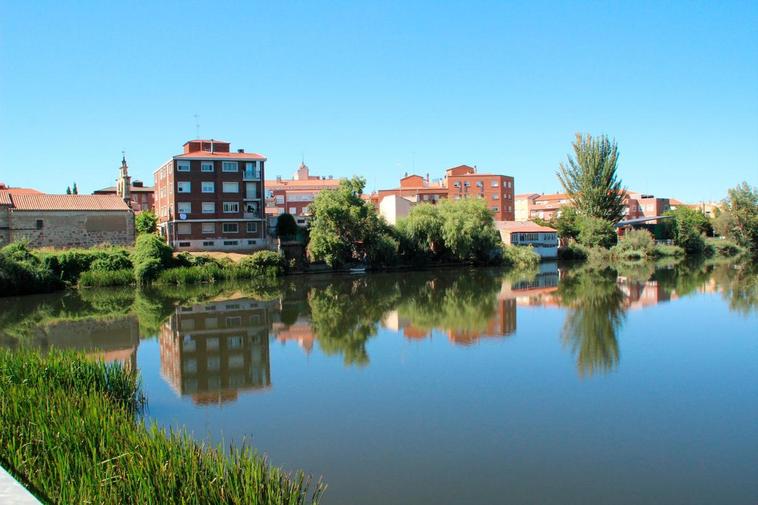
(71, 430)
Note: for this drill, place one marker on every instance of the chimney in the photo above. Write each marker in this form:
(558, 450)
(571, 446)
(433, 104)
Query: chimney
(138, 183)
(240, 150)
(213, 148)
(427, 177)
(278, 178)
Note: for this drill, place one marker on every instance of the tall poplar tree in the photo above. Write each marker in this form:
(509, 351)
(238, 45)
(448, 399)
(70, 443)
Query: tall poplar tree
(591, 180)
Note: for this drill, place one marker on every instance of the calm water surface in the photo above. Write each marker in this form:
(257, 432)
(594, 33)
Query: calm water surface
(447, 387)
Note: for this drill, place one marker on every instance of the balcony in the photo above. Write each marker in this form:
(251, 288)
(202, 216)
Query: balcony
(251, 175)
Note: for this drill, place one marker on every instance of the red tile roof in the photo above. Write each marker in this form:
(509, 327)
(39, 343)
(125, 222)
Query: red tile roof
(523, 226)
(133, 189)
(205, 155)
(5, 198)
(293, 184)
(68, 202)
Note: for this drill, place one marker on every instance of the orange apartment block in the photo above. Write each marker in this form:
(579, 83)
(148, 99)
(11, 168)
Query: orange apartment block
(463, 181)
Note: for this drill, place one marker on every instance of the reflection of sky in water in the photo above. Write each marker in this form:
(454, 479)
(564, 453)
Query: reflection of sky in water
(507, 399)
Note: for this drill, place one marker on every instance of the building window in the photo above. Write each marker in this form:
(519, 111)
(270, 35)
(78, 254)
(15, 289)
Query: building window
(279, 199)
(183, 166)
(208, 243)
(231, 187)
(495, 209)
(184, 244)
(252, 227)
(209, 207)
(184, 229)
(208, 187)
(209, 228)
(184, 207)
(231, 207)
(495, 184)
(234, 342)
(231, 242)
(229, 166)
(495, 196)
(251, 172)
(230, 228)
(39, 224)
(293, 210)
(206, 166)
(183, 187)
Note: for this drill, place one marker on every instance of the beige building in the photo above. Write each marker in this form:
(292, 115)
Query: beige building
(394, 207)
(65, 220)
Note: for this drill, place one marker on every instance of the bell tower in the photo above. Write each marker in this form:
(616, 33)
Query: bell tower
(124, 182)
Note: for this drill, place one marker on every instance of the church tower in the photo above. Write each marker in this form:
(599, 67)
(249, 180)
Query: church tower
(124, 183)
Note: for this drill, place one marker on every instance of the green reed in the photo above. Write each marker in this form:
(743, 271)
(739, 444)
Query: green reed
(70, 428)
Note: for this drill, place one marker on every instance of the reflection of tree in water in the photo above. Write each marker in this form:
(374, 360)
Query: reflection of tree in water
(346, 313)
(596, 313)
(451, 301)
(739, 286)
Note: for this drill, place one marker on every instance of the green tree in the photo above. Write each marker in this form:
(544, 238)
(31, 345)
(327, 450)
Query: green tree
(687, 229)
(468, 230)
(596, 232)
(75, 190)
(567, 223)
(591, 180)
(423, 228)
(286, 226)
(146, 222)
(68, 190)
(346, 228)
(741, 219)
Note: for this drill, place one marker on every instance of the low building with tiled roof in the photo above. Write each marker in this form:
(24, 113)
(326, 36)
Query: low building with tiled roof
(543, 239)
(63, 221)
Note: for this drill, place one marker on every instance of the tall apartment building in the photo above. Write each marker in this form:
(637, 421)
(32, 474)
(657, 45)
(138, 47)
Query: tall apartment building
(210, 198)
(459, 182)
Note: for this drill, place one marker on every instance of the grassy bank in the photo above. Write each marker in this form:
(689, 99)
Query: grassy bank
(71, 430)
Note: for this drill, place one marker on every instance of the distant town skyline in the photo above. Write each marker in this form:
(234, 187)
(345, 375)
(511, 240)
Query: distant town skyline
(378, 90)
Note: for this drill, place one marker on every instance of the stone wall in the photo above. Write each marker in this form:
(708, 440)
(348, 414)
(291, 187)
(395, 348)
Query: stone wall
(3, 225)
(69, 228)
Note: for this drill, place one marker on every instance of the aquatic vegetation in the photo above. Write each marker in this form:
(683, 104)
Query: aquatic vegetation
(71, 430)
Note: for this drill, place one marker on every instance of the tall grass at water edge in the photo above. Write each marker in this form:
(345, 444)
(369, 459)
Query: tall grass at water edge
(71, 429)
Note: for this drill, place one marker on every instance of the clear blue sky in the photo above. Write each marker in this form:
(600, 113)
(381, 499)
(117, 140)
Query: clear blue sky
(376, 88)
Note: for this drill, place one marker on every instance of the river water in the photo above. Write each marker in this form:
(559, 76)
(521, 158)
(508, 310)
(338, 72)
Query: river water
(568, 385)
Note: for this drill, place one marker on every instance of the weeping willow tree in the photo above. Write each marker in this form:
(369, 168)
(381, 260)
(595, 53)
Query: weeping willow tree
(591, 180)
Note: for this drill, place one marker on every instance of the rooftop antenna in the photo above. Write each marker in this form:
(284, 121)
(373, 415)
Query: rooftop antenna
(197, 126)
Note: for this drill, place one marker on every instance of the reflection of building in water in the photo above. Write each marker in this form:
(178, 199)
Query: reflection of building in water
(643, 294)
(540, 290)
(215, 349)
(112, 339)
(301, 331)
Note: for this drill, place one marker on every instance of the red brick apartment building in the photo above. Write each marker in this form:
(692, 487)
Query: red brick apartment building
(210, 198)
(294, 196)
(459, 182)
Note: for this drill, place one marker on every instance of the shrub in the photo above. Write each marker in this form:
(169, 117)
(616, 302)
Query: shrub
(596, 232)
(71, 430)
(150, 255)
(662, 251)
(520, 256)
(573, 251)
(263, 263)
(69, 264)
(105, 278)
(635, 244)
(145, 222)
(22, 273)
(724, 247)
